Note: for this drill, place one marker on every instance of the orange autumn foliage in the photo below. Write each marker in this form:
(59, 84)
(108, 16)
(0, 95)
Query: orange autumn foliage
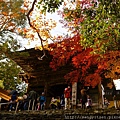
(11, 15)
(84, 64)
(112, 64)
(89, 69)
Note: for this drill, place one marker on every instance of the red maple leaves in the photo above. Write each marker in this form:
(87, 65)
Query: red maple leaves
(86, 66)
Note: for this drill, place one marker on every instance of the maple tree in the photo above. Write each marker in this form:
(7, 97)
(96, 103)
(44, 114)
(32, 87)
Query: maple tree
(11, 17)
(85, 65)
(88, 69)
(39, 27)
(13, 23)
(111, 60)
(87, 37)
(97, 21)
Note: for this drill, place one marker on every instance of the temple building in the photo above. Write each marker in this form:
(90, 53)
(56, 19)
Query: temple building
(40, 77)
(38, 74)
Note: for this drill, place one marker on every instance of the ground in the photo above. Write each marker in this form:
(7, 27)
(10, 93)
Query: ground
(94, 114)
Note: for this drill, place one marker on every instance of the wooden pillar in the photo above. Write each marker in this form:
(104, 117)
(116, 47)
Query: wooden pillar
(46, 95)
(100, 96)
(45, 88)
(0, 105)
(74, 95)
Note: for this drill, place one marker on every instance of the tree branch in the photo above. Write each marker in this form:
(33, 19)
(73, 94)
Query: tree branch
(41, 40)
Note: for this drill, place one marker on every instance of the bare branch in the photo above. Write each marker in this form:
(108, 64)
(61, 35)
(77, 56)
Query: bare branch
(28, 14)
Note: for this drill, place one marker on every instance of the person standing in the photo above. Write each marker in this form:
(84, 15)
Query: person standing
(13, 100)
(42, 101)
(67, 96)
(114, 95)
(106, 102)
(32, 95)
(62, 101)
(83, 97)
(25, 101)
(89, 102)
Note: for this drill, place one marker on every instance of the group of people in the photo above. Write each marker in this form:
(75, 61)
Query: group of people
(85, 100)
(31, 100)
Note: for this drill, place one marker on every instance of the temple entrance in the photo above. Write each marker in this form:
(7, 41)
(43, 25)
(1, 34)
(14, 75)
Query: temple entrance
(56, 90)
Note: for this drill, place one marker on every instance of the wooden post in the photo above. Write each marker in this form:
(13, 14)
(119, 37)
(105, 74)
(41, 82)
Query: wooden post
(74, 94)
(100, 102)
(46, 93)
(0, 104)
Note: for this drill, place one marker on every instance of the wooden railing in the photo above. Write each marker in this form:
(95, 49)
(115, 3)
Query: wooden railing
(4, 94)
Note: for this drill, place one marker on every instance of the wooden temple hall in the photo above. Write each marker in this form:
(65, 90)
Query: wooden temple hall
(37, 73)
(40, 77)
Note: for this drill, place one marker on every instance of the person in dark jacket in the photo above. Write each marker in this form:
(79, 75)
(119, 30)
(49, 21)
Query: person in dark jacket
(62, 101)
(25, 101)
(13, 99)
(83, 98)
(32, 95)
(114, 95)
(42, 101)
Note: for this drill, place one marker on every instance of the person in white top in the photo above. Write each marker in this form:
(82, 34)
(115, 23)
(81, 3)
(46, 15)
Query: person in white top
(89, 102)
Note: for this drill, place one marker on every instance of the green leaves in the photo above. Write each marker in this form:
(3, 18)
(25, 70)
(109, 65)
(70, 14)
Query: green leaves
(49, 5)
(11, 19)
(100, 24)
(8, 74)
(102, 28)
(1, 84)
